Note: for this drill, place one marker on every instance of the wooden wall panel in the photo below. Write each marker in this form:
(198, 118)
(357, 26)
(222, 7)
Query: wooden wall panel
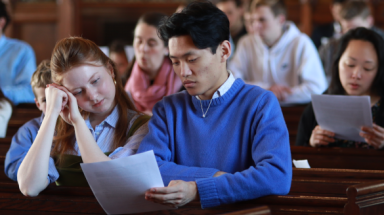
(66, 21)
(104, 22)
(42, 38)
(321, 13)
(41, 24)
(35, 23)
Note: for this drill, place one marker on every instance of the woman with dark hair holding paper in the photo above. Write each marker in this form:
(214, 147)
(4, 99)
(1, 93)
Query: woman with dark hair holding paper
(358, 70)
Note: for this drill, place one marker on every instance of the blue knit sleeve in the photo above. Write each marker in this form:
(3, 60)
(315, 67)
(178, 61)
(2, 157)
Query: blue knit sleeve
(157, 140)
(271, 173)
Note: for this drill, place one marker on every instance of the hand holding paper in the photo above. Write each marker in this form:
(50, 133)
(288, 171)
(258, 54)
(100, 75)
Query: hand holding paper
(373, 136)
(343, 115)
(177, 194)
(119, 185)
(321, 137)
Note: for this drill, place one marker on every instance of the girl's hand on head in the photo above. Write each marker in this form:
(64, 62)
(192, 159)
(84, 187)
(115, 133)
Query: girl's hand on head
(70, 112)
(321, 137)
(56, 99)
(373, 136)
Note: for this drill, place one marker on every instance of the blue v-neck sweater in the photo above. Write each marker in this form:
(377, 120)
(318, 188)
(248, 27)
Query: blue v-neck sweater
(243, 134)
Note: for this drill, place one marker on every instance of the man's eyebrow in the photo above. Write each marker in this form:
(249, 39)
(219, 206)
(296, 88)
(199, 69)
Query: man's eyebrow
(184, 55)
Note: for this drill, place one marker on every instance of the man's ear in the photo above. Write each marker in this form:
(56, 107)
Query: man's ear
(37, 104)
(281, 18)
(166, 51)
(225, 51)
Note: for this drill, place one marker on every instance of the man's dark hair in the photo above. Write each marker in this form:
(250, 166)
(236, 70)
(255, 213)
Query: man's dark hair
(117, 46)
(365, 35)
(238, 3)
(3, 13)
(202, 21)
(152, 18)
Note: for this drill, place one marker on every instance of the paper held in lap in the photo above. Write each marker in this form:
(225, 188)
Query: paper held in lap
(343, 115)
(119, 185)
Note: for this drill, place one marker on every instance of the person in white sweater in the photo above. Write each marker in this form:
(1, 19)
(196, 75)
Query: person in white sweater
(278, 57)
(5, 114)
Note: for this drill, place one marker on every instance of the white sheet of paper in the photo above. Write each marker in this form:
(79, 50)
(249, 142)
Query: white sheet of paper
(301, 164)
(343, 115)
(119, 185)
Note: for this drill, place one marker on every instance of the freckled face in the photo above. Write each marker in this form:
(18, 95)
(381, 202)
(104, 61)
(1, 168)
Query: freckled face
(199, 69)
(92, 86)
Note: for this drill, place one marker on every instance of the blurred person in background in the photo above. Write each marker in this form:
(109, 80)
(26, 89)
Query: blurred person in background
(353, 14)
(17, 64)
(118, 55)
(5, 113)
(152, 76)
(322, 33)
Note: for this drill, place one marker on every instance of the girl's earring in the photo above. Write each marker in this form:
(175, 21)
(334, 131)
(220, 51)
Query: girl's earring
(114, 80)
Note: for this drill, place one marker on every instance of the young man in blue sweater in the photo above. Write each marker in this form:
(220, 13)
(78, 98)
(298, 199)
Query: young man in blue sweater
(221, 140)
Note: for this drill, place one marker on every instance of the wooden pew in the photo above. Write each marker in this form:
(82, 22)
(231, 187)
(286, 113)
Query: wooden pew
(360, 199)
(292, 117)
(343, 158)
(322, 198)
(19, 113)
(19, 117)
(364, 188)
(5, 141)
(81, 200)
(263, 210)
(334, 182)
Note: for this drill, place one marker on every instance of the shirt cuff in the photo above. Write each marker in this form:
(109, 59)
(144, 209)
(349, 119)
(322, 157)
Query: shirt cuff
(121, 152)
(207, 192)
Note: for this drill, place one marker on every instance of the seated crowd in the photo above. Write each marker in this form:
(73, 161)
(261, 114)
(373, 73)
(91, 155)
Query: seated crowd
(211, 113)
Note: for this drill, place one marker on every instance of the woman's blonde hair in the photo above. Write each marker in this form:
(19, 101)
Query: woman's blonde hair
(76, 51)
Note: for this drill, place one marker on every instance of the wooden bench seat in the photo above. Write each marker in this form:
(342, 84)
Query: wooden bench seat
(322, 198)
(340, 158)
(263, 210)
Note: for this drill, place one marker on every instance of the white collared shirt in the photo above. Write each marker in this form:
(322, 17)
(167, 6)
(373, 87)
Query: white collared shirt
(223, 88)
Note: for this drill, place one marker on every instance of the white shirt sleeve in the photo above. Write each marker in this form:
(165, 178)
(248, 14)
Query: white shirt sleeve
(310, 72)
(5, 115)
